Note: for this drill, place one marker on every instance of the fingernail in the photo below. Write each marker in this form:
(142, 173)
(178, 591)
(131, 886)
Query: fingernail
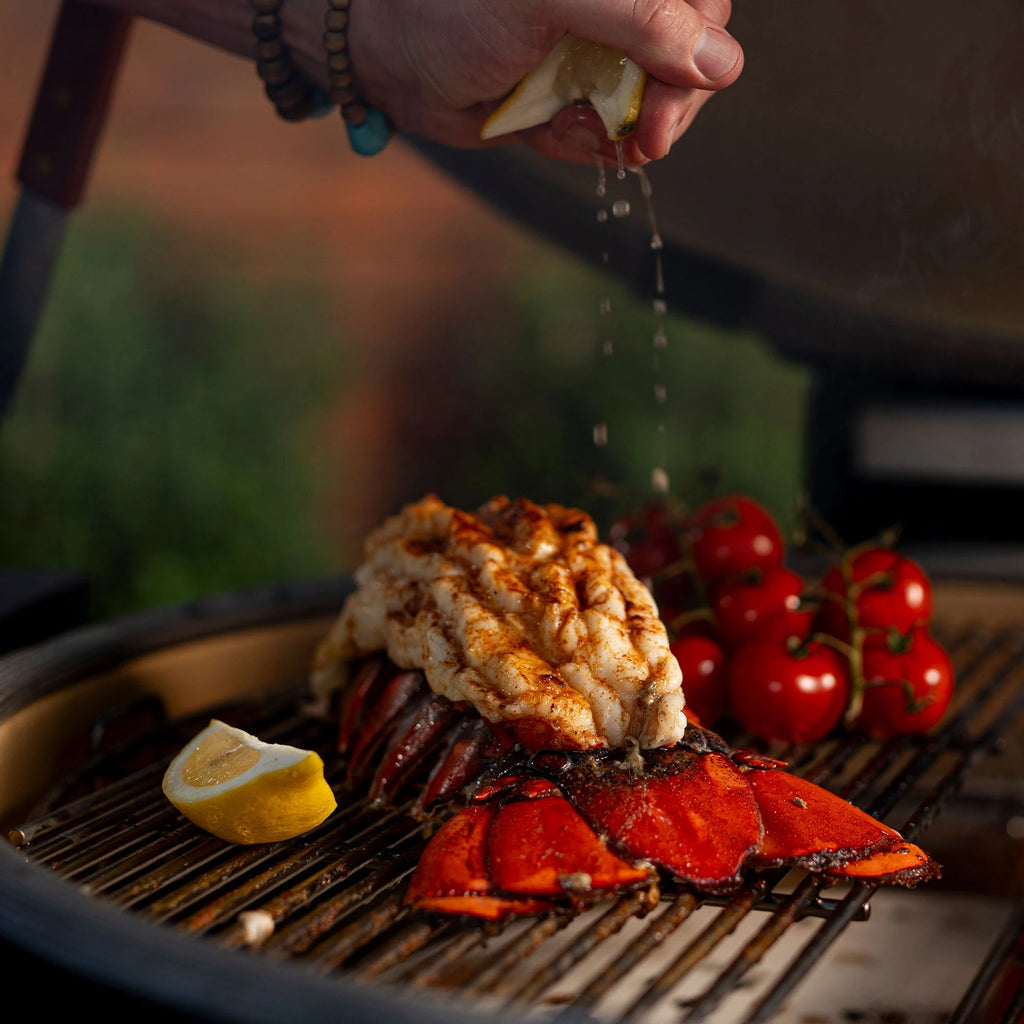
(716, 54)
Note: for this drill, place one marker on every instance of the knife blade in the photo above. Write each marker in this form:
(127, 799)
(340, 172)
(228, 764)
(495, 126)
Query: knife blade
(67, 119)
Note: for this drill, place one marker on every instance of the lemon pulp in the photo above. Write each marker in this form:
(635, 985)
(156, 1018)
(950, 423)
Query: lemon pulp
(243, 790)
(575, 70)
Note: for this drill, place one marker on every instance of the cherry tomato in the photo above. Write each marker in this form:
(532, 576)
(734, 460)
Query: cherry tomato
(794, 694)
(733, 535)
(649, 541)
(766, 605)
(888, 590)
(909, 683)
(703, 666)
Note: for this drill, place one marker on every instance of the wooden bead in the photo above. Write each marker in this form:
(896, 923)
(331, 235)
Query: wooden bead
(274, 72)
(288, 93)
(335, 42)
(336, 21)
(341, 94)
(265, 6)
(266, 26)
(269, 49)
(339, 5)
(354, 113)
(338, 63)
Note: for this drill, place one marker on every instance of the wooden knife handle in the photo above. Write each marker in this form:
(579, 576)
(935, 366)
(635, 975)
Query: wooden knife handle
(72, 100)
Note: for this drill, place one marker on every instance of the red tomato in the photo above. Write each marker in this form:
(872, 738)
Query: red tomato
(733, 535)
(649, 542)
(794, 695)
(908, 684)
(766, 605)
(703, 665)
(888, 590)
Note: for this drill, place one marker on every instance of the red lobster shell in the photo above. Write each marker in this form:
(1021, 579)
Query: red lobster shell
(543, 829)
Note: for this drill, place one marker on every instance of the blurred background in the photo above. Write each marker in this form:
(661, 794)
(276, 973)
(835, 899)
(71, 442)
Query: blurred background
(257, 345)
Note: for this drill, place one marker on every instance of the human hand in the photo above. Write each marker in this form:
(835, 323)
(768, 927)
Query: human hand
(439, 69)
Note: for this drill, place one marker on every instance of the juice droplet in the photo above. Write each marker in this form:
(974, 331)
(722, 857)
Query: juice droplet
(620, 208)
(660, 393)
(602, 181)
(659, 480)
(657, 244)
(605, 305)
(620, 154)
(660, 339)
(600, 434)
(608, 348)
(660, 307)
(602, 216)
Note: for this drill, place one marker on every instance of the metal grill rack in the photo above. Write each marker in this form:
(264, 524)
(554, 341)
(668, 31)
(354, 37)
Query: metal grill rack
(335, 895)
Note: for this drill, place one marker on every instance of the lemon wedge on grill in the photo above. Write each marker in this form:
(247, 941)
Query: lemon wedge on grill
(574, 70)
(243, 790)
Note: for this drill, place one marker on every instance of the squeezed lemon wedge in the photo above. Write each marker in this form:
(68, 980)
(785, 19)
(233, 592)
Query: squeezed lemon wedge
(574, 70)
(244, 790)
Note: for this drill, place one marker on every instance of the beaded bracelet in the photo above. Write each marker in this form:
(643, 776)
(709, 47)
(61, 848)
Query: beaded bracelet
(367, 127)
(294, 98)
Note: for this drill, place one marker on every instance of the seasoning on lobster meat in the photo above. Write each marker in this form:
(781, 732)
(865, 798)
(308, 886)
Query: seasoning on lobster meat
(520, 612)
(510, 658)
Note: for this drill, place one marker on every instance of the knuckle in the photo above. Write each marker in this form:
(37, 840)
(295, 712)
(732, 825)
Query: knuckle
(719, 11)
(663, 21)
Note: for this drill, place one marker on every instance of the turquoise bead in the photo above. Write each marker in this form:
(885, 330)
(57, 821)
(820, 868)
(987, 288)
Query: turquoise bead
(370, 137)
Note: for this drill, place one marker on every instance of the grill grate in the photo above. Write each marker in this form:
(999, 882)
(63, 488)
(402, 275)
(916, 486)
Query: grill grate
(335, 895)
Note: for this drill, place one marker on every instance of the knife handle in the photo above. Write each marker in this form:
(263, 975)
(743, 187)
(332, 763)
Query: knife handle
(72, 100)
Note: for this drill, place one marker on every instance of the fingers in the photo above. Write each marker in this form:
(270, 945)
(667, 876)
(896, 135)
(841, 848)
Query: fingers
(437, 69)
(666, 114)
(682, 44)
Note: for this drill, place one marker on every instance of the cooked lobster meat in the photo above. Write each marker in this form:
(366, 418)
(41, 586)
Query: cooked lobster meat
(520, 612)
(480, 656)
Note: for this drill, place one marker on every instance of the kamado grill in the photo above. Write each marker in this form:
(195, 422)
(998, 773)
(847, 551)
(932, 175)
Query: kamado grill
(106, 894)
(106, 881)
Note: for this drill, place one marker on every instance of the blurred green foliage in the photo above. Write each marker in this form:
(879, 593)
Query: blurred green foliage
(158, 440)
(165, 435)
(731, 419)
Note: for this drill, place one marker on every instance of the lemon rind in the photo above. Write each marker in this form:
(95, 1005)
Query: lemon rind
(287, 796)
(535, 101)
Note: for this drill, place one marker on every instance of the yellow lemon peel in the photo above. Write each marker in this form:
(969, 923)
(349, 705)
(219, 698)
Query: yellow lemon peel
(575, 70)
(243, 790)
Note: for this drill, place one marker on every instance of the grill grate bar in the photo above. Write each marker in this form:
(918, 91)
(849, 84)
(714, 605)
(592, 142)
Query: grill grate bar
(307, 930)
(699, 949)
(78, 822)
(607, 925)
(281, 871)
(676, 912)
(407, 939)
(180, 870)
(127, 850)
(433, 971)
(377, 919)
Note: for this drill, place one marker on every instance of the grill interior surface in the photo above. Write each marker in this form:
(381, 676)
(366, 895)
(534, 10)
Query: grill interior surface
(335, 895)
